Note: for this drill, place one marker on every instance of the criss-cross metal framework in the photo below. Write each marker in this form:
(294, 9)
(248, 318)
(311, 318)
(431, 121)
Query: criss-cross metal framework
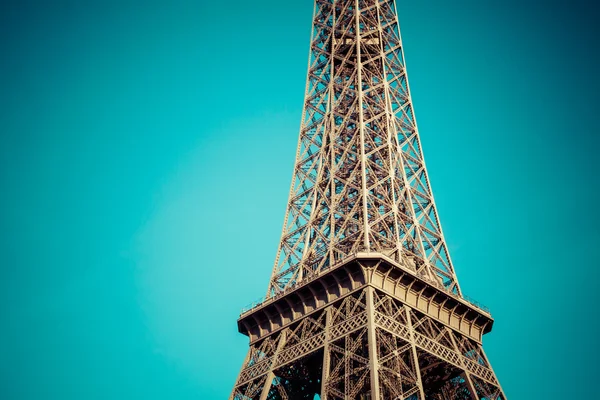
(363, 301)
(360, 182)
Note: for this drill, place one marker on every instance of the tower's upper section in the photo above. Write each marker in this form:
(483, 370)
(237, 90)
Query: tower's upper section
(359, 182)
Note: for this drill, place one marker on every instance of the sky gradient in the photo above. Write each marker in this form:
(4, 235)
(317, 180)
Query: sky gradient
(147, 150)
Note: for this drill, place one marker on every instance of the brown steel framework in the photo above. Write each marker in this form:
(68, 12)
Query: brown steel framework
(363, 301)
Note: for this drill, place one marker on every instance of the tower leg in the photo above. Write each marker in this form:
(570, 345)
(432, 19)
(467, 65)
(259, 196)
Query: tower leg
(232, 395)
(326, 355)
(372, 340)
(270, 374)
(414, 353)
(467, 376)
(482, 352)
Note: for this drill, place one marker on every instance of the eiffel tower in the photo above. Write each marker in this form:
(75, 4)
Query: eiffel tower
(363, 301)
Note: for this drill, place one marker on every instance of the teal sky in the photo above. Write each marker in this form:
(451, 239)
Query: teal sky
(147, 150)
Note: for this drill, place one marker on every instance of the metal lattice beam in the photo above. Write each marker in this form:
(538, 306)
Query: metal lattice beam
(359, 182)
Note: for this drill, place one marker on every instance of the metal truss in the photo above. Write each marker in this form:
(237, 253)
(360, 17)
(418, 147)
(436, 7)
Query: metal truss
(367, 345)
(363, 302)
(359, 181)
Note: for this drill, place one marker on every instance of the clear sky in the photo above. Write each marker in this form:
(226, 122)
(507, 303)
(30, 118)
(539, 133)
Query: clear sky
(147, 150)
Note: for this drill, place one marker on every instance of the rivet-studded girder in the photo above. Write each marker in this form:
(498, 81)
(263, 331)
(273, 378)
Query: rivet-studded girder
(359, 182)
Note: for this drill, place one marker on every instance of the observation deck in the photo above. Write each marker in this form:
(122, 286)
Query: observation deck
(352, 275)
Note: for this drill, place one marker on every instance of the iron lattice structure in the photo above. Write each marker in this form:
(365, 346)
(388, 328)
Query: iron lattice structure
(363, 301)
